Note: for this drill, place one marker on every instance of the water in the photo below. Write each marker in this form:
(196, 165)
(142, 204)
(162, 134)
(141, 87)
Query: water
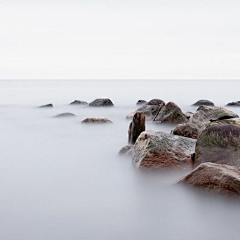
(63, 180)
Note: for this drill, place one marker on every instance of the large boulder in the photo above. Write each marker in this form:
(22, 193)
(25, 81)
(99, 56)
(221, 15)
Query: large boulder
(101, 102)
(215, 178)
(219, 143)
(96, 120)
(189, 130)
(157, 150)
(171, 113)
(234, 104)
(136, 127)
(203, 102)
(78, 102)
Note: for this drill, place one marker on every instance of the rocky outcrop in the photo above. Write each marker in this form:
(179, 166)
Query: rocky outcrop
(47, 106)
(101, 102)
(157, 150)
(215, 178)
(189, 130)
(136, 127)
(96, 120)
(234, 104)
(219, 143)
(126, 151)
(203, 102)
(171, 113)
(141, 102)
(78, 102)
(63, 115)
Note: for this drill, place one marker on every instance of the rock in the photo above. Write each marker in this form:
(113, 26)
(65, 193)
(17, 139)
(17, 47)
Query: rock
(203, 102)
(141, 102)
(65, 115)
(126, 151)
(158, 102)
(188, 114)
(234, 104)
(158, 150)
(171, 113)
(189, 130)
(47, 106)
(136, 127)
(219, 144)
(215, 178)
(78, 102)
(96, 120)
(101, 102)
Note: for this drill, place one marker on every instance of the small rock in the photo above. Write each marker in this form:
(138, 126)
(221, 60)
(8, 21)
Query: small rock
(141, 102)
(203, 102)
(126, 151)
(47, 106)
(96, 120)
(78, 102)
(101, 102)
(189, 130)
(234, 104)
(62, 115)
(158, 102)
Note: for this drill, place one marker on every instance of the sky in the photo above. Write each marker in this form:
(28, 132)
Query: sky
(103, 39)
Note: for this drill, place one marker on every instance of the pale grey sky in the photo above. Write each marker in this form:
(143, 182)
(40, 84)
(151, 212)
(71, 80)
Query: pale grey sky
(103, 39)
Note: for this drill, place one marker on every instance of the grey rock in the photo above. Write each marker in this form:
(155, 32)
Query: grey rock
(63, 115)
(47, 106)
(203, 102)
(101, 102)
(78, 102)
(96, 120)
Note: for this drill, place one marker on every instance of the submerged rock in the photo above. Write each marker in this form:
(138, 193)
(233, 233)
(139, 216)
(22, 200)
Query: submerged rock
(47, 106)
(96, 120)
(141, 102)
(171, 113)
(101, 102)
(158, 102)
(158, 150)
(234, 104)
(189, 130)
(62, 115)
(126, 151)
(215, 178)
(136, 127)
(219, 144)
(78, 102)
(203, 102)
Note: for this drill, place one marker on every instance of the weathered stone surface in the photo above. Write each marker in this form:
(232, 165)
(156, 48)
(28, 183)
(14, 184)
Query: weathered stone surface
(203, 102)
(171, 113)
(188, 114)
(126, 151)
(141, 102)
(101, 102)
(62, 115)
(96, 120)
(157, 150)
(78, 102)
(234, 104)
(158, 102)
(136, 127)
(189, 130)
(215, 178)
(47, 106)
(219, 143)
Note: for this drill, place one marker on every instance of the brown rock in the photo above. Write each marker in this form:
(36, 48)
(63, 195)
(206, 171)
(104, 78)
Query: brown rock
(96, 120)
(189, 130)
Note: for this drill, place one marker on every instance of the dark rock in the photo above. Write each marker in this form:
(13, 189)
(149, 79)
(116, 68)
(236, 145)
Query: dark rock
(47, 106)
(136, 127)
(78, 102)
(203, 102)
(158, 102)
(234, 104)
(215, 178)
(219, 144)
(126, 151)
(65, 115)
(96, 120)
(189, 130)
(171, 113)
(101, 102)
(141, 102)
(158, 150)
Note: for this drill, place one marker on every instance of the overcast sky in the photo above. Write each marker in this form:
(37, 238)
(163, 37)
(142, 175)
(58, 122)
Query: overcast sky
(134, 39)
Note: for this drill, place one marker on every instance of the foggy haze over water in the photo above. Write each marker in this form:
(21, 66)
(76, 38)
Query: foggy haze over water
(62, 180)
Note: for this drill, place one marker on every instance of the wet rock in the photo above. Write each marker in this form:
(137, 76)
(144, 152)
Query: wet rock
(78, 102)
(141, 102)
(189, 130)
(47, 106)
(234, 104)
(203, 102)
(96, 120)
(171, 113)
(63, 115)
(219, 143)
(157, 150)
(101, 102)
(126, 151)
(215, 178)
(136, 127)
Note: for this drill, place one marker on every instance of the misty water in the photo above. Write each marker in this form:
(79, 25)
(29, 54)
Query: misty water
(63, 180)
